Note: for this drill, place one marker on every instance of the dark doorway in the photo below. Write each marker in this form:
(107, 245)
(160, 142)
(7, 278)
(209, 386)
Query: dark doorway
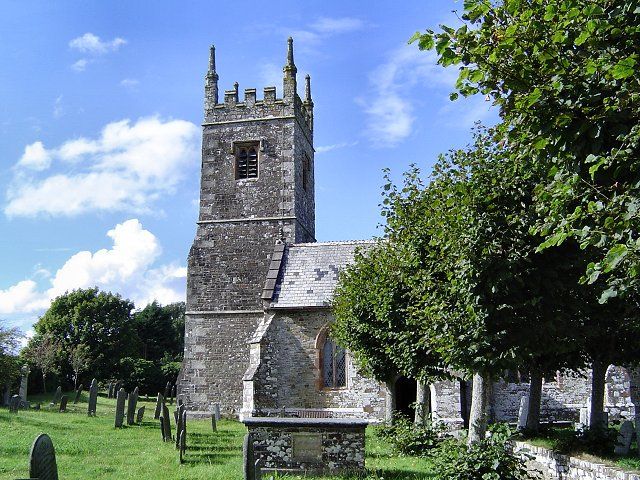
(406, 390)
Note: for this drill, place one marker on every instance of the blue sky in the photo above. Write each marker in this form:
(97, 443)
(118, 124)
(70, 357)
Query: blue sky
(100, 112)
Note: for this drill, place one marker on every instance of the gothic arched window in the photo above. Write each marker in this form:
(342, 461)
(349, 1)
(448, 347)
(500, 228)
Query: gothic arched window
(334, 365)
(246, 162)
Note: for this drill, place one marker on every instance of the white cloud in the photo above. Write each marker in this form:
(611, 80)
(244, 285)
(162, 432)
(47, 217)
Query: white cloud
(395, 89)
(80, 65)
(90, 43)
(335, 146)
(127, 168)
(130, 83)
(337, 25)
(127, 267)
(35, 157)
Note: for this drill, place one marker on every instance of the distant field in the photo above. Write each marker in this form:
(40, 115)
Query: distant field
(91, 448)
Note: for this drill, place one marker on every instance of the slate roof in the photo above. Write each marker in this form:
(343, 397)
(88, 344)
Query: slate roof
(308, 273)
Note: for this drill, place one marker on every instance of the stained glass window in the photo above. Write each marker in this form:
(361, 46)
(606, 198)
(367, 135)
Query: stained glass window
(334, 365)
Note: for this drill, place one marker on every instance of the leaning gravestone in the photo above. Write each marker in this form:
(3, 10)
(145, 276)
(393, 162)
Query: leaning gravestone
(182, 444)
(14, 404)
(216, 411)
(258, 469)
(164, 438)
(63, 403)
(76, 399)
(42, 464)
(93, 398)
(24, 381)
(56, 397)
(120, 407)
(167, 424)
(110, 391)
(131, 407)
(623, 444)
(523, 412)
(249, 463)
(140, 414)
(214, 426)
(159, 402)
(178, 416)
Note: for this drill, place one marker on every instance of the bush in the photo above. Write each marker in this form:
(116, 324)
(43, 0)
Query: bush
(408, 438)
(144, 374)
(486, 460)
(599, 442)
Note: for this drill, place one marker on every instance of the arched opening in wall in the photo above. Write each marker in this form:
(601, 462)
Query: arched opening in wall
(405, 391)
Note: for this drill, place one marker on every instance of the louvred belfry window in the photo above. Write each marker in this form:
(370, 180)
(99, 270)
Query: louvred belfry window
(246, 162)
(334, 365)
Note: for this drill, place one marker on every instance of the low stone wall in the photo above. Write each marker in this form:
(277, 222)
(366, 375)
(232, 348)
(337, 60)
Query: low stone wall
(553, 465)
(308, 445)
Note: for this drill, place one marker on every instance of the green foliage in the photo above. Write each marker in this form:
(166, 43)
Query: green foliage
(160, 330)
(409, 438)
(144, 374)
(593, 441)
(9, 364)
(170, 368)
(489, 459)
(564, 77)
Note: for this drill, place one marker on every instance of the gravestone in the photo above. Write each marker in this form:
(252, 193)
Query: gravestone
(164, 438)
(24, 381)
(63, 403)
(159, 402)
(14, 404)
(179, 425)
(140, 414)
(258, 469)
(76, 399)
(173, 394)
(56, 397)
(523, 412)
(120, 407)
(42, 461)
(110, 391)
(249, 462)
(167, 424)
(167, 390)
(216, 410)
(131, 406)
(93, 398)
(623, 444)
(182, 444)
(37, 407)
(6, 395)
(214, 427)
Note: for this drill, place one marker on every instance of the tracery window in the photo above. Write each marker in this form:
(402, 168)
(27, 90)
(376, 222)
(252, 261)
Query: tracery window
(334, 365)
(246, 161)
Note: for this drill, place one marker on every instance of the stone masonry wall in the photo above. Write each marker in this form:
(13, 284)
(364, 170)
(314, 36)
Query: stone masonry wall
(288, 375)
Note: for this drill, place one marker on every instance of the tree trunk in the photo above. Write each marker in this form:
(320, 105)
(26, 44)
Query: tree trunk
(391, 400)
(598, 379)
(423, 404)
(535, 396)
(480, 400)
(44, 382)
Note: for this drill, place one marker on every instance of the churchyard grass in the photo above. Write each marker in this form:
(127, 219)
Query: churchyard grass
(90, 447)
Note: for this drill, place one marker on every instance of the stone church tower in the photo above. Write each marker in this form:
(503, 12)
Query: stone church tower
(257, 189)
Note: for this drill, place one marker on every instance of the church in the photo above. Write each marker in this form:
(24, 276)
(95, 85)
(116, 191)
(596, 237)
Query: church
(259, 286)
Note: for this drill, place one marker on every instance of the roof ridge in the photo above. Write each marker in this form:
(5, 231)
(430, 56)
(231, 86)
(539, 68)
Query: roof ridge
(336, 242)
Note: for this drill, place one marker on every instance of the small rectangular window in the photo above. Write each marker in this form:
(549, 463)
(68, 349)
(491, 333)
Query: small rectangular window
(247, 161)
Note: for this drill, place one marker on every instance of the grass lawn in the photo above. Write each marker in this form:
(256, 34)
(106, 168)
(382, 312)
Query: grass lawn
(555, 438)
(92, 448)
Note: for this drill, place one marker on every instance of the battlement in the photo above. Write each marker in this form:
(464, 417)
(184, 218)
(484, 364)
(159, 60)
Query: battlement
(232, 110)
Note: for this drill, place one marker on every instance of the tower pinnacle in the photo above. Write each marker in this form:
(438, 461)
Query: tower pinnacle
(307, 90)
(211, 82)
(212, 59)
(290, 70)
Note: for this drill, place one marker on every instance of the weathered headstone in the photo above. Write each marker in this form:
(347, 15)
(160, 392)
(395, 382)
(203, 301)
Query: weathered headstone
(173, 393)
(42, 462)
(93, 398)
(131, 406)
(140, 414)
(258, 469)
(214, 426)
(167, 390)
(14, 404)
(56, 397)
(162, 428)
(120, 407)
(37, 406)
(63, 403)
(623, 444)
(76, 399)
(523, 412)
(216, 411)
(182, 444)
(167, 424)
(249, 463)
(110, 390)
(6, 395)
(159, 402)
(178, 417)
(24, 381)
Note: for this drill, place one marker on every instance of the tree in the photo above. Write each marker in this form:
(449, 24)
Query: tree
(98, 320)
(9, 366)
(44, 351)
(79, 360)
(160, 330)
(564, 76)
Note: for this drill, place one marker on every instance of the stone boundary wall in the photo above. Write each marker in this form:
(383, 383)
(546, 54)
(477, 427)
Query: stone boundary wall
(554, 465)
